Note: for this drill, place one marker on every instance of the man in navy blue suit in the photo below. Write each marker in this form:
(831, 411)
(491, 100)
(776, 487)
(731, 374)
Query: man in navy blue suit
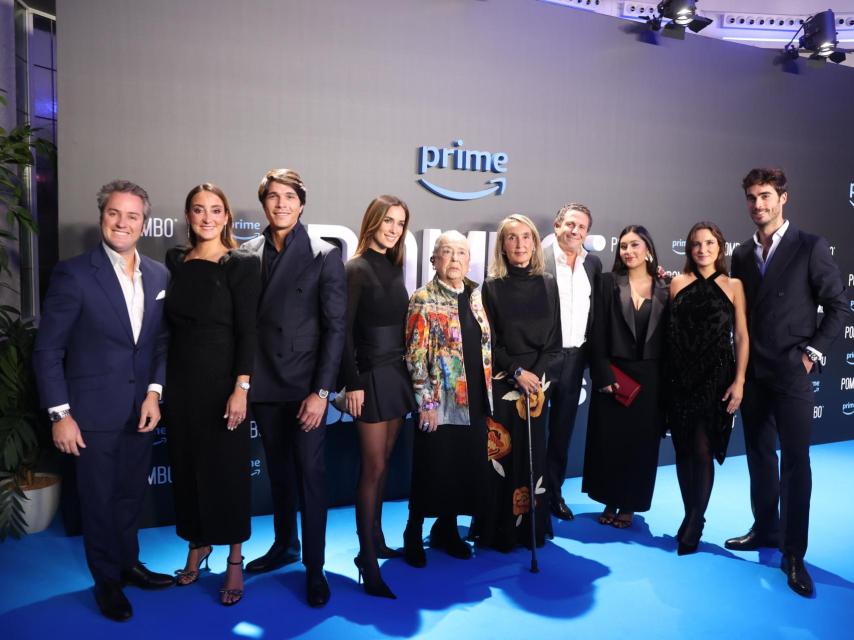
(100, 359)
(787, 274)
(301, 319)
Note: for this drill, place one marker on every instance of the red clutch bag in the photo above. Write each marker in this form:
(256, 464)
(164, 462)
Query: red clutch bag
(629, 387)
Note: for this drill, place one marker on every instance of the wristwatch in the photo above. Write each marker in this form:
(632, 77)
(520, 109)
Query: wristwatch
(243, 385)
(323, 393)
(56, 416)
(518, 372)
(812, 354)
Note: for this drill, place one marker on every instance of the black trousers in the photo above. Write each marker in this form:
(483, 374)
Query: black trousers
(568, 374)
(769, 415)
(112, 478)
(288, 448)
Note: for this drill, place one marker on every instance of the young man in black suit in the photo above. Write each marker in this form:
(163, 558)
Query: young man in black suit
(574, 269)
(787, 274)
(301, 319)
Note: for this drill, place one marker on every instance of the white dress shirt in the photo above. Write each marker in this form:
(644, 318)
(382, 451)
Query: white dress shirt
(574, 291)
(762, 263)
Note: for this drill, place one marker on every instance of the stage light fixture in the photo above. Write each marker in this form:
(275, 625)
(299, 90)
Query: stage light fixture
(680, 14)
(819, 39)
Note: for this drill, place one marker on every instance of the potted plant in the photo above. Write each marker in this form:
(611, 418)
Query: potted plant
(21, 422)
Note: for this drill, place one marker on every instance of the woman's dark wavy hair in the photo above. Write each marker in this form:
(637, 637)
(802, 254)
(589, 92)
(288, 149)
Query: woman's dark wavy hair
(720, 261)
(651, 267)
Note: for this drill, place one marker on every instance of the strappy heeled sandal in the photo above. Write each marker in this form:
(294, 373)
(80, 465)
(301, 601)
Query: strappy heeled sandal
(237, 594)
(623, 520)
(185, 577)
(607, 516)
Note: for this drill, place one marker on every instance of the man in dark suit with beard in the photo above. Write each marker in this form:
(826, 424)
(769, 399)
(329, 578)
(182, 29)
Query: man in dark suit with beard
(301, 319)
(787, 274)
(574, 269)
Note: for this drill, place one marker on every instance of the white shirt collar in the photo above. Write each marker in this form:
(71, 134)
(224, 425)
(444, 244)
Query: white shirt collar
(560, 256)
(118, 261)
(775, 237)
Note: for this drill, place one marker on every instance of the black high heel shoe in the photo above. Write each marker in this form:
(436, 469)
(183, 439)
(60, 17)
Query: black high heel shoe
(185, 577)
(234, 593)
(689, 538)
(379, 588)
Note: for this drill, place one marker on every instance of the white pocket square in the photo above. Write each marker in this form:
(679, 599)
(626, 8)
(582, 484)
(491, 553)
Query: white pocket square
(161, 295)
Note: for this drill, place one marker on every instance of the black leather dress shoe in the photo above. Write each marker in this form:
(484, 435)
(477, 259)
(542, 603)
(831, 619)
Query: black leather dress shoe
(561, 511)
(274, 558)
(316, 588)
(139, 576)
(750, 541)
(797, 576)
(112, 602)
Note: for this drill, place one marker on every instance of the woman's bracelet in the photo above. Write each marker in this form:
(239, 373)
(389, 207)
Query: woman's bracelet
(429, 406)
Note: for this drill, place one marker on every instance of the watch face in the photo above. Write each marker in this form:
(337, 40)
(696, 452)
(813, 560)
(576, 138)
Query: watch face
(323, 393)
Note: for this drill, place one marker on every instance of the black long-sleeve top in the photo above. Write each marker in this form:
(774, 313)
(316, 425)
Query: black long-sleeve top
(376, 297)
(524, 312)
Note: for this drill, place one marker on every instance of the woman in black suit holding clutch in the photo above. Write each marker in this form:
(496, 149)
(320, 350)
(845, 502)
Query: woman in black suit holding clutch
(631, 306)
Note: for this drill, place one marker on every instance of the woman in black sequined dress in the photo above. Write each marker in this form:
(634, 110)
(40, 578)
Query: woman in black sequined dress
(706, 378)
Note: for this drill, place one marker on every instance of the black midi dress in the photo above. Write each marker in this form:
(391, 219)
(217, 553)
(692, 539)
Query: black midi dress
(211, 309)
(700, 363)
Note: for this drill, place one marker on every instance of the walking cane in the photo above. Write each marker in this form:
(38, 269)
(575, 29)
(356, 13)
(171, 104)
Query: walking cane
(534, 567)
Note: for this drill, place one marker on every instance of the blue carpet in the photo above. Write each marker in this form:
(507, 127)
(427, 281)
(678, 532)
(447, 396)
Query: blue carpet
(595, 581)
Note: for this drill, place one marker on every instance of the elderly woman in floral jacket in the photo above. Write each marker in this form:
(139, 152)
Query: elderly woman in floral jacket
(450, 361)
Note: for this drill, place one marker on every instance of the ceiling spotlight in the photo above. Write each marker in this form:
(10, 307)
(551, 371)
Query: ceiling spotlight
(820, 34)
(819, 38)
(681, 14)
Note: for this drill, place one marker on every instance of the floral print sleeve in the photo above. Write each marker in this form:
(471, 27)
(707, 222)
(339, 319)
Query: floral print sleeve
(417, 348)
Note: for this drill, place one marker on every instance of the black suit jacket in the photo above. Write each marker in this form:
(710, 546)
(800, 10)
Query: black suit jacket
(613, 333)
(592, 267)
(782, 306)
(301, 320)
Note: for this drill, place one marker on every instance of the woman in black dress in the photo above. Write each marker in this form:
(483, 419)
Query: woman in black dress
(449, 357)
(524, 312)
(210, 306)
(621, 455)
(378, 391)
(705, 381)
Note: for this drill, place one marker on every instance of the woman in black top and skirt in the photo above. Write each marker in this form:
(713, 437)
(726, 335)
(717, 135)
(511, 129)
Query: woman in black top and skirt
(621, 454)
(378, 389)
(524, 313)
(210, 306)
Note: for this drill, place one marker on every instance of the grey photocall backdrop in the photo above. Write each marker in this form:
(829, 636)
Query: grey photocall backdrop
(363, 97)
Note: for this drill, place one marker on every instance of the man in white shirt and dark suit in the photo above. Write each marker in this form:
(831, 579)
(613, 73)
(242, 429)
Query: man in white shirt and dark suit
(100, 363)
(574, 269)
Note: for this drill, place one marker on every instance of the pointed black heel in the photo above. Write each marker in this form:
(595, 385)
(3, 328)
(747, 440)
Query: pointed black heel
(377, 589)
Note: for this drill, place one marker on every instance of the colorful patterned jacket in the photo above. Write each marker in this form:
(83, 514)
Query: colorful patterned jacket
(434, 349)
